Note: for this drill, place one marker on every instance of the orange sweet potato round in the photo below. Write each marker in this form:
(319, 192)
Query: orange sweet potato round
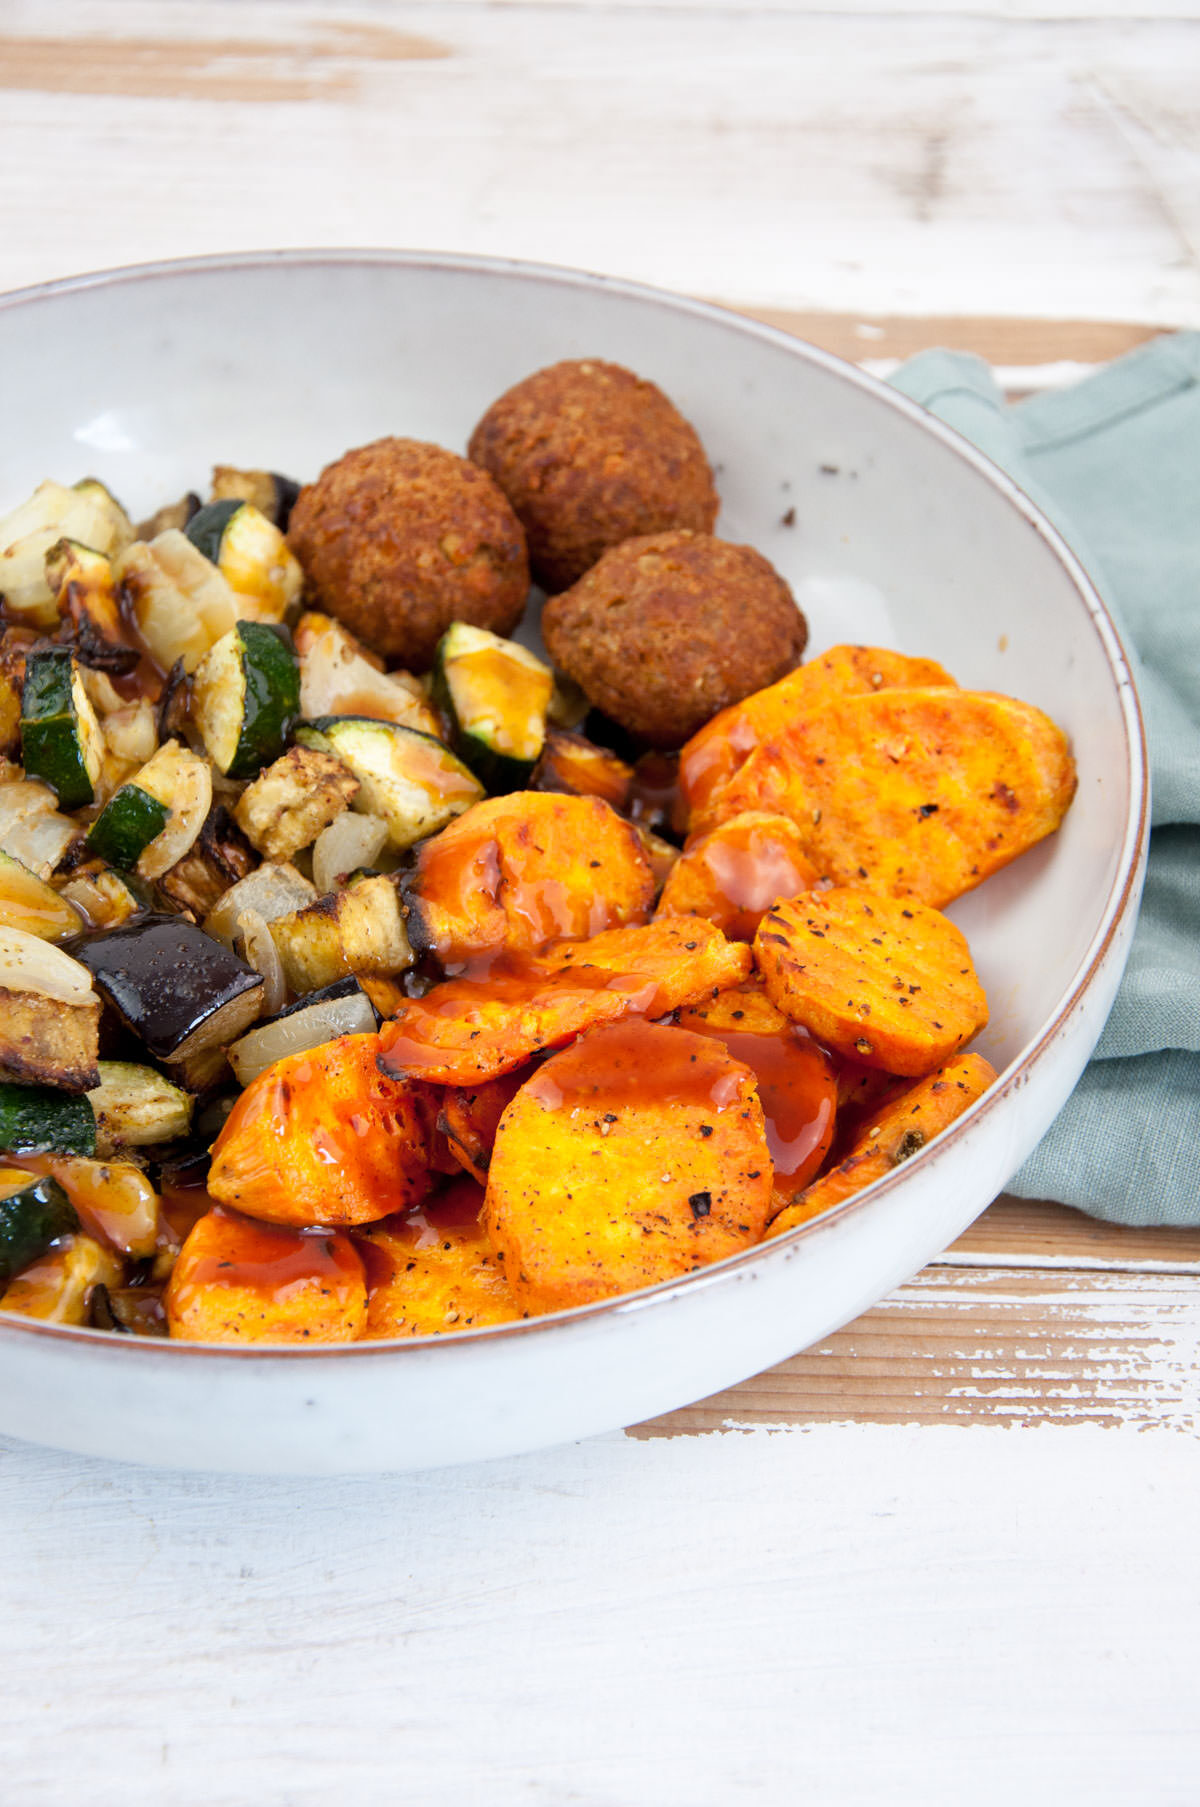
(634, 1156)
(238, 1281)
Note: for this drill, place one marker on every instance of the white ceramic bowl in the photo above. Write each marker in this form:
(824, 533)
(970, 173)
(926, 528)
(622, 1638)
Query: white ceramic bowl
(890, 528)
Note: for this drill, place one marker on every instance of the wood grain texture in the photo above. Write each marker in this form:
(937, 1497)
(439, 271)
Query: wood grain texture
(847, 1615)
(872, 161)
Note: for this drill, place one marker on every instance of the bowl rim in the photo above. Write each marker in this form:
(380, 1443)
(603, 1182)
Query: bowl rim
(1123, 894)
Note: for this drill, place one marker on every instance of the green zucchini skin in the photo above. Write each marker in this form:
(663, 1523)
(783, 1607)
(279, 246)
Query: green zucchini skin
(206, 529)
(52, 747)
(30, 1220)
(37, 1119)
(497, 769)
(127, 824)
(246, 697)
(271, 706)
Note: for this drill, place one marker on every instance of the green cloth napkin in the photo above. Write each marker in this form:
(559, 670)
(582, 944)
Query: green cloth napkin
(1115, 463)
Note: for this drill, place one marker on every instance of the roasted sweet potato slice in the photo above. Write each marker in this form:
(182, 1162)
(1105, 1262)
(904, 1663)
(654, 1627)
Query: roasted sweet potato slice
(634, 1156)
(237, 1281)
(796, 1080)
(882, 981)
(917, 793)
(436, 1270)
(469, 1117)
(901, 1129)
(731, 875)
(517, 872)
(324, 1137)
(478, 1028)
(712, 756)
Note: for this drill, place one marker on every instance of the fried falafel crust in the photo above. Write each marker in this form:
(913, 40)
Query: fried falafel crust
(669, 628)
(589, 454)
(399, 538)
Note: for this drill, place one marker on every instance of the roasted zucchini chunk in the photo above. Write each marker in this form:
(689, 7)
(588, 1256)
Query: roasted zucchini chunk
(246, 698)
(62, 742)
(28, 902)
(179, 602)
(494, 694)
(39, 1119)
(272, 494)
(152, 821)
(34, 1212)
(86, 513)
(49, 1015)
(572, 763)
(174, 987)
(342, 1008)
(135, 1107)
(82, 583)
(289, 804)
(410, 779)
(31, 829)
(356, 930)
(251, 554)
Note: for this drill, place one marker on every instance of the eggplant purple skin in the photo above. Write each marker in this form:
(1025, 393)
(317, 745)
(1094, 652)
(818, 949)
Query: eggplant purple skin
(163, 976)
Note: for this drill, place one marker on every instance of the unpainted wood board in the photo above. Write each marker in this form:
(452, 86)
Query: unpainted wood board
(991, 1346)
(818, 161)
(1022, 1232)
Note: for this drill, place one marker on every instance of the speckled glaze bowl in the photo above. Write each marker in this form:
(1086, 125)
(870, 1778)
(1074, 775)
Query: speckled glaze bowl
(891, 530)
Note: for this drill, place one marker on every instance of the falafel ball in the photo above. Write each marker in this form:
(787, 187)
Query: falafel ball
(589, 455)
(399, 538)
(670, 627)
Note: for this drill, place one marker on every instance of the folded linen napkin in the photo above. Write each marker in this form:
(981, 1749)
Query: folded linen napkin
(1115, 463)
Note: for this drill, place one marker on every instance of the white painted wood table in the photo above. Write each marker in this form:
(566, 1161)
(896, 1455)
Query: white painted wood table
(948, 1557)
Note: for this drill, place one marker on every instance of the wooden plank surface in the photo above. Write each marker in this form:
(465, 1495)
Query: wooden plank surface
(870, 159)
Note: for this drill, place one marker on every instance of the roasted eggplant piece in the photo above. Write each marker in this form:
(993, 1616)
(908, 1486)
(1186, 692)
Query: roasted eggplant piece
(359, 929)
(294, 800)
(339, 1009)
(49, 1015)
(174, 987)
(218, 859)
(14, 649)
(272, 494)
